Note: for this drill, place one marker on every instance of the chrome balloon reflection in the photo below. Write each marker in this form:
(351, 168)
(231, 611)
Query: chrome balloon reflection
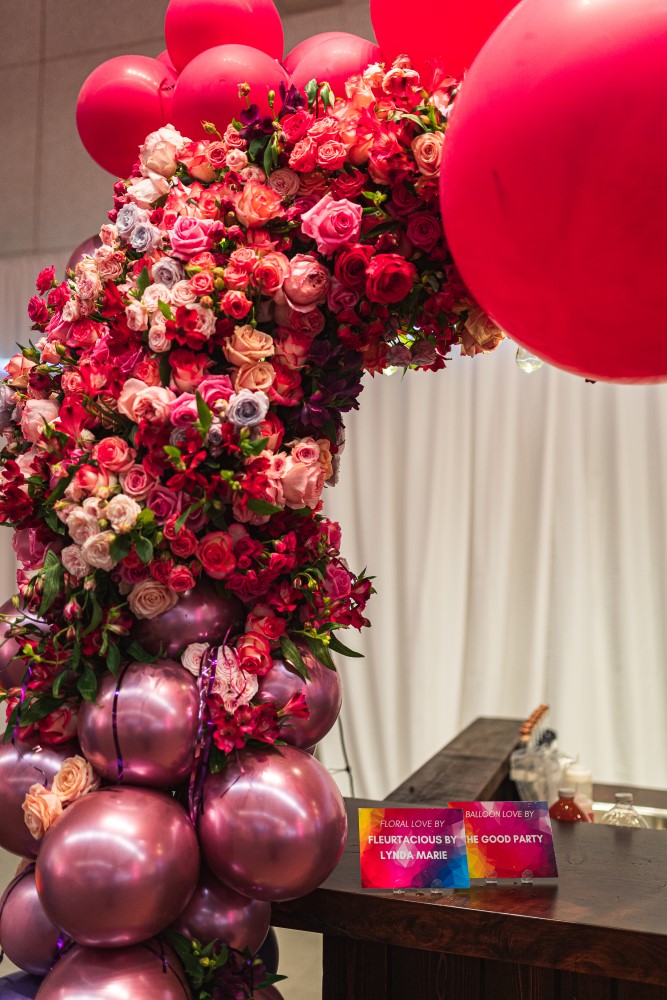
(23, 764)
(201, 615)
(156, 716)
(141, 973)
(216, 911)
(323, 694)
(273, 823)
(132, 848)
(27, 936)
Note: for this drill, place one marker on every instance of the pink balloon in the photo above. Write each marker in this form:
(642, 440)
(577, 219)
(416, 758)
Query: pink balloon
(273, 823)
(200, 616)
(165, 59)
(118, 866)
(323, 694)
(146, 971)
(554, 204)
(13, 667)
(156, 724)
(295, 55)
(27, 936)
(23, 764)
(447, 36)
(208, 87)
(191, 26)
(121, 101)
(335, 60)
(85, 249)
(216, 911)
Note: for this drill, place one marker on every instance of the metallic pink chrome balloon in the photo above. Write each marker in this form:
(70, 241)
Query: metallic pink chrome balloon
(27, 936)
(149, 971)
(273, 823)
(216, 911)
(156, 724)
(118, 867)
(200, 616)
(85, 249)
(12, 669)
(23, 765)
(323, 694)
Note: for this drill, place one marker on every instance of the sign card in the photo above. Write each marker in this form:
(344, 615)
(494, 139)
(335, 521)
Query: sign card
(412, 849)
(508, 839)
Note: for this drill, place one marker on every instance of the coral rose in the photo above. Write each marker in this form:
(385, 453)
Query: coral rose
(302, 484)
(41, 808)
(74, 779)
(258, 204)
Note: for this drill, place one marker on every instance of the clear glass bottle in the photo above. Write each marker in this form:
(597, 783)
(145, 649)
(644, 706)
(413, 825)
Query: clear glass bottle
(623, 813)
(580, 778)
(566, 809)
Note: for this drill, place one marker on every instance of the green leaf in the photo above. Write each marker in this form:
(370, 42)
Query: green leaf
(339, 647)
(52, 576)
(165, 368)
(320, 651)
(96, 616)
(293, 656)
(311, 92)
(255, 148)
(253, 448)
(120, 547)
(58, 683)
(137, 652)
(326, 93)
(36, 710)
(53, 521)
(204, 414)
(87, 684)
(165, 309)
(113, 659)
(270, 157)
(144, 548)
(262, 506)
(172, 452)
(143, 281)
(376, 231)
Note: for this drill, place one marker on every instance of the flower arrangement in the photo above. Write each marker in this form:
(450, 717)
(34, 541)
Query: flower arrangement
(172, 427)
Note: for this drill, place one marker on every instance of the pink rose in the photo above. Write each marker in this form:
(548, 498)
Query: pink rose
(303, 157)
(302, 484)
(306, 451)
(136, 482)
(236, 159)
(254, 653)
(285, 182)
(234, 685)
(427, 151)
(90, 481)
(257, 204)
(81, 525)
(184, 411)
(271, 272)
(235, 304)
(163, 502)
(293, 349)
(340, 297)
(74, 779)
(188, 369)
(149, 599)
(216, 389)
(150, 403)
(18, 369)
(190, 236)
(307, 284)
(259, 375)
(331, 155)
(114, 454)
(37, 413)
(180, 579)
(337, 582)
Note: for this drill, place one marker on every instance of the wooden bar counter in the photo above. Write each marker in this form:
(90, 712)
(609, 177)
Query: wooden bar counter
(598, 932)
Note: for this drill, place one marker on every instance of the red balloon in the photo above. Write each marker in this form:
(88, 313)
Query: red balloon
(27, 936)
(208, 87)
(295, 55)
(553, 202)
(216, 911)
(119, 104)
(334, 60)
(85, 249)
(23, 764)
(144, 971)
(118, 866)
(192, 26)
(323, 694)
(273, 823)
(446, 36)
(165, 59)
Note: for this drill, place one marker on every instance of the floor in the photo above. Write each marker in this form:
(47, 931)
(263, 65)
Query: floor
(300, 954)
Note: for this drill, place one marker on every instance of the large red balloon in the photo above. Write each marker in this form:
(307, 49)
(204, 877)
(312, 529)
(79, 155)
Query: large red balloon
(447, 34)
(192, 26)
(208, 87)
(554, 197)
(295, 55)
(334, 60)
(119, 104)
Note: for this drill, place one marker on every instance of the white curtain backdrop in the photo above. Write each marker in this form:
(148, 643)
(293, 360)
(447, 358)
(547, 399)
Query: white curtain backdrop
(517, 528)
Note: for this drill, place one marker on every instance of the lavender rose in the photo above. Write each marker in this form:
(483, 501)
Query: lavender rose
(247, 408)
(167, 271)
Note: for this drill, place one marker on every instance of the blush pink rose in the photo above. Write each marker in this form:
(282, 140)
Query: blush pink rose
(246, 345)
(37, 413)
(427, 151)
(90, 481)
(307, 284)
(271, 272)
(306, 451)
(41, 808)
(114, 454)
(302, 484)
(136, 482)
(293, 348)
(190, 236)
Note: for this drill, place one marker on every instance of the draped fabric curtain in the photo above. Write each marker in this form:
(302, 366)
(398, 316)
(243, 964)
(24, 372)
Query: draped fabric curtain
(517, 529)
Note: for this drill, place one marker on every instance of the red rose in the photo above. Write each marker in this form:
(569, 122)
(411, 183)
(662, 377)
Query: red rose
(254, 653)
(184, 544)
(272, 428)
(201, 283)
(235, 304)
(216, 555)
(181, 579)
(286, 387)
(38, 311)
(303, 157)
(389, 278)
(349, 184)
(424, 230)
(351, 265)
(45, 279)
(295, 126)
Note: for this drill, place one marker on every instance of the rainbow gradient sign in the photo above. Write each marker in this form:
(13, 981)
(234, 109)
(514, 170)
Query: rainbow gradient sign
(413, 849)
(508, 839)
